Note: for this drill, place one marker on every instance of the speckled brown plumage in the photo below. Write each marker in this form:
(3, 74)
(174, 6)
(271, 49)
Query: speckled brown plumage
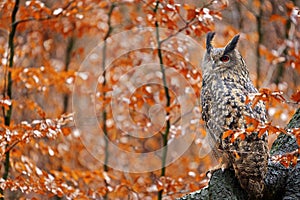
(226, 84)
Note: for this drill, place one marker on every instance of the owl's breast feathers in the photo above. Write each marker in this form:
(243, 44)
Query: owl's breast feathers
(224, 101)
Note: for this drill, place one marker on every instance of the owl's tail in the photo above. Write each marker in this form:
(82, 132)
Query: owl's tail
(250, 164)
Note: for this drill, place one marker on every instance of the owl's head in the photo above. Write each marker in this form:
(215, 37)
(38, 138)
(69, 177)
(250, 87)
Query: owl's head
(224, 59)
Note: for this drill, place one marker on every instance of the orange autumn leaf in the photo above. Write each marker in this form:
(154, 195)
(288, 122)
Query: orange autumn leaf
(103, 4)
(169, 109)
(296, 96)
(191, 13)
(66, 131)
(252, 121)
(227, 134)
(274, 129)
(238, 134)
(289, 5)
(5, 103)
(280, 18)
(150, 101)
(288, 159)
(267, 95)
(188, 7)
(262, 131)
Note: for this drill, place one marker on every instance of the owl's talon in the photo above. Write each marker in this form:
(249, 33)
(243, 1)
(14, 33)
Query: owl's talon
(210, 172)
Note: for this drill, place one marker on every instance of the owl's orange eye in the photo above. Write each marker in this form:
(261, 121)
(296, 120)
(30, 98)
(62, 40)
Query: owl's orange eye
(225, 58)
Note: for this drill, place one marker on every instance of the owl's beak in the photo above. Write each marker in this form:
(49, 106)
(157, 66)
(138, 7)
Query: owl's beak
(214, 65)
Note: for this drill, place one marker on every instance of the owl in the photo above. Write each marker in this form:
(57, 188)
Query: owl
(225, 87)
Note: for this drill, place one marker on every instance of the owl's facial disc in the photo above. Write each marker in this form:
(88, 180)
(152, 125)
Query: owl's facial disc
(220, 61)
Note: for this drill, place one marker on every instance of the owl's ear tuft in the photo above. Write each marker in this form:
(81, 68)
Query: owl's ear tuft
(232, 44)
(209, 37)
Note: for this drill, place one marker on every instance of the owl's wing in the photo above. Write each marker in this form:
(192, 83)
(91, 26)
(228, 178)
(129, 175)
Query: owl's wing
(205, 102)
(214, 147)
(259, 111)
(212, 129)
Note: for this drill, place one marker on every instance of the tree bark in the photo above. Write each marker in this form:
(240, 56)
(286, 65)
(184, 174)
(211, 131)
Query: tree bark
(280, 183)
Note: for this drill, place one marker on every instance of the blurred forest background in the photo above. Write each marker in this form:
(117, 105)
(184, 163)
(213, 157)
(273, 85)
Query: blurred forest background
(43, 45)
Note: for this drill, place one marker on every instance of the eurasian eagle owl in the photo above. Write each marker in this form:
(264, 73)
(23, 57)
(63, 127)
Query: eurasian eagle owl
(225, 87)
